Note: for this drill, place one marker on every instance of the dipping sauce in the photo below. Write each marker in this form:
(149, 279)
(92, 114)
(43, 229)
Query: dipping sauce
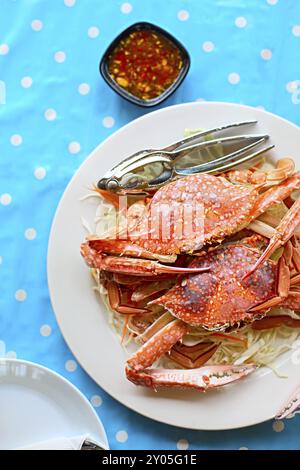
(145, 63)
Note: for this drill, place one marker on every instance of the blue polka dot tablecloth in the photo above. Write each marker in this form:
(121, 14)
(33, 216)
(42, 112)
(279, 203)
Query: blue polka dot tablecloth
(55, 108)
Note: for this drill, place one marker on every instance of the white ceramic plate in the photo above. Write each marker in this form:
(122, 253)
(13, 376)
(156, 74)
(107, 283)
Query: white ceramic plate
(36, 404)
(82, 317)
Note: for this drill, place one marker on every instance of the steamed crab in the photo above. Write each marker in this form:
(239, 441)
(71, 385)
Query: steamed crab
(206, 283)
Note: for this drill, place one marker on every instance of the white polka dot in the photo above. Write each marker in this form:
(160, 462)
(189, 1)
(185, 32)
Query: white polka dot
(74, 147)
(69, 3)
(5, 199)
(240, 22)
(278, 426)
(183, 15)
(121, 436)
(296, 30)
(50, 114)
(40, 173)
(126, 8)
(11, 354)
(59, 56)
(30, 234)
(291, 86)
(84, 88)
(70, 365)
(4, 49)
(233, 78)
(208, 46)
(266, 54)
(272, 2)
(108, 121)
(1, 259)
(16, 140)
(182, 444)
(2, 348)
(45, 330)
(96, 401)
(200, 99)
(20, 295)
(26, 82)
(243, 448)
(93, 32)
(36, 25)
(296, 97)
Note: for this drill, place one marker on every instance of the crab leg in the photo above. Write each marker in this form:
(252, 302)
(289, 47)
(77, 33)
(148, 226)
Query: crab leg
(157, 345)
(156, 326)
(139, 323)
(288, 253)
(295, 279)
(284, 280)
(290, 405)
(284, 232)
(150, 288)
(125, 265)
(275, 321)
(260, 227)
(191, 357)
(114, 298)
(200, 379)
(126, 280)
(296, 258)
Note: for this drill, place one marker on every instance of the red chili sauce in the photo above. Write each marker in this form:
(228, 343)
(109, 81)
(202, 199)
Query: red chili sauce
(145, 63)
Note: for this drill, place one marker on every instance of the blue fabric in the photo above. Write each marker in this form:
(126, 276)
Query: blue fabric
(37, 160)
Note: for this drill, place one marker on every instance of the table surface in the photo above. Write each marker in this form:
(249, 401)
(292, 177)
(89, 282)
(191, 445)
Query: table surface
(55, 108)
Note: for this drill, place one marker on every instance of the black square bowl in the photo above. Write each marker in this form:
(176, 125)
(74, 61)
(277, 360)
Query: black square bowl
(142, 26)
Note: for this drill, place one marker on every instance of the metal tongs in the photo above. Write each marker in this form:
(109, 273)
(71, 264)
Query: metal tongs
(129, 176)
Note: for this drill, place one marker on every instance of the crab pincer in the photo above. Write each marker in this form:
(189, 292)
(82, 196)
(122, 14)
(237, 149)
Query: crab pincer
(201, 379)
(134, 266)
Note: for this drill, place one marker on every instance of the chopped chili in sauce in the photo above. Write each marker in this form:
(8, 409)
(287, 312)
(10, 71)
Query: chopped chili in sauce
(145, 64)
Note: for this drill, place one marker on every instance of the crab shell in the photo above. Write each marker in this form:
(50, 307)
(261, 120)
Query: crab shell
(187, 213)
(219, 298)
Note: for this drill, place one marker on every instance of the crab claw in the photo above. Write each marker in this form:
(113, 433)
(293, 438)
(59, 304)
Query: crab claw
(201, 379)
(130, 266)
(290, 405)
(126, 248)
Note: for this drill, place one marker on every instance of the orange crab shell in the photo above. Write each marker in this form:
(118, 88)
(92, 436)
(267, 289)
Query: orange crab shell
(212, 206)
(219, 298)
